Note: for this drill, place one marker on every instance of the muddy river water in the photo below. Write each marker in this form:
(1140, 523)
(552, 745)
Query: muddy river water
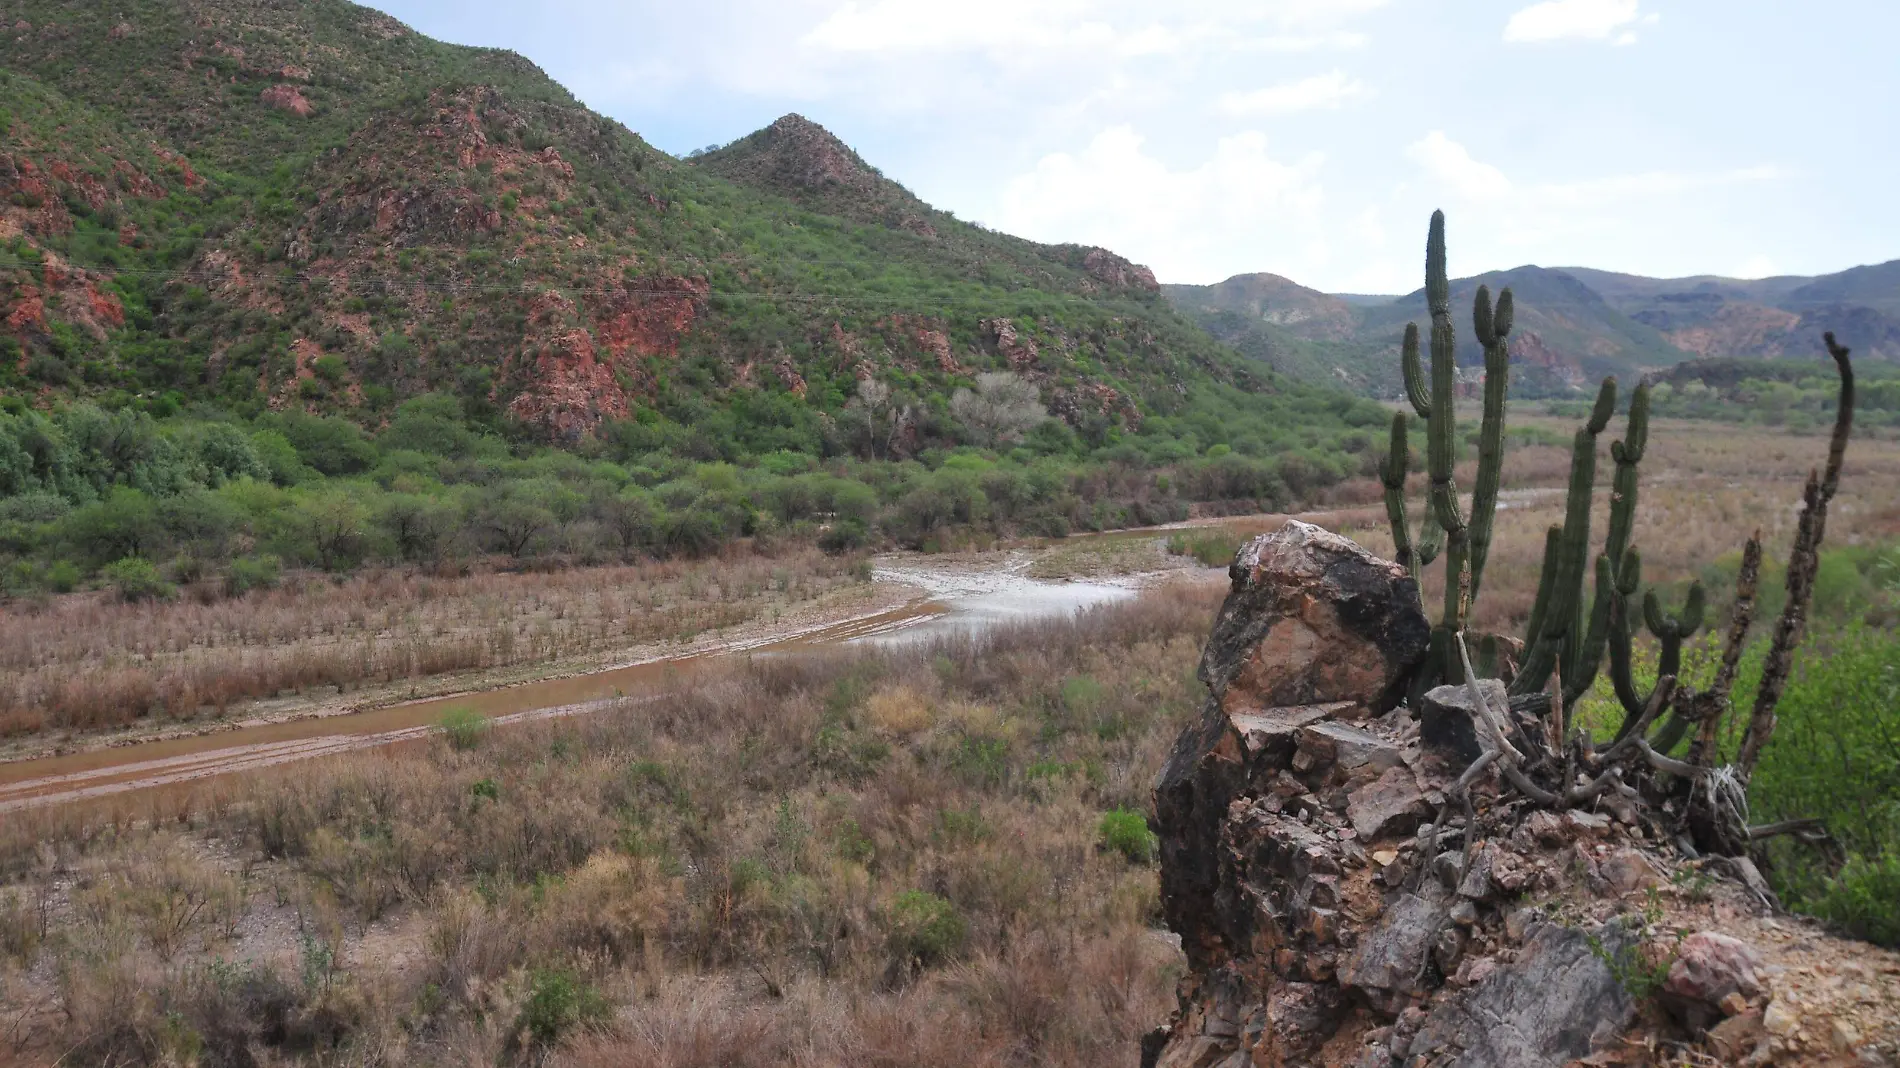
(948, 603)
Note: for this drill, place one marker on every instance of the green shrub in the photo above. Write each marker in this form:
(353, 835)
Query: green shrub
(844, 536)
(247, 573)
(463, 727)
(1212, 548)
(135, 579)
(63, 576)
(1836, 751)
(559, 1001)
(1126, 832)
(922, 929)
(1864, 899)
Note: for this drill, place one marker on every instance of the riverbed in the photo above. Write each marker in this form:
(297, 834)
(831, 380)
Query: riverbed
(947, 600)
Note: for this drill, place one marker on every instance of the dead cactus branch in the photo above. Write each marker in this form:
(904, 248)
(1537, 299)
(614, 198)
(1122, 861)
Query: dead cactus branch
(1804, 561)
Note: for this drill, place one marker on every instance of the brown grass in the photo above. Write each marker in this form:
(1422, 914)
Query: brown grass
(85, 661)
(723, 869)
(1704, 488)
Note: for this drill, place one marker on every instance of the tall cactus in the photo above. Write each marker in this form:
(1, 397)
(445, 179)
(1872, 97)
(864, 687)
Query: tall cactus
(1558, 637)
(1561, 636)
(1466, 539)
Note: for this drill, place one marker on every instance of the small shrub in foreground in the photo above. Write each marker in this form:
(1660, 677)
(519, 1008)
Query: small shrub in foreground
(923, 929)
(559, 1002)
(135, 579)
(1126, 832)
(463, 727)
(1864, 899)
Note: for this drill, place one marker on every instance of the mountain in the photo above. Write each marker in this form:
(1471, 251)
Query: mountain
(1567, 334)
(1301, 332)
(310, 206)
(1574, 324)
(1783, 317)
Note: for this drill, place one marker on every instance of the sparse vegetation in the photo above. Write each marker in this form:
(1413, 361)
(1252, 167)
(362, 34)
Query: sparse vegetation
(464, 728)
(692, 873)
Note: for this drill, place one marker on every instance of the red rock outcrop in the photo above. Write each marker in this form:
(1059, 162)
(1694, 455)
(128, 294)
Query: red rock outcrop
(1116, 271)
(1019, 352)
(286, 97)
(567, 390)
(648, 316)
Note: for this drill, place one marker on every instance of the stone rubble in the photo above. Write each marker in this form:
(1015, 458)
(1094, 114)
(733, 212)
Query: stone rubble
(1336, 909)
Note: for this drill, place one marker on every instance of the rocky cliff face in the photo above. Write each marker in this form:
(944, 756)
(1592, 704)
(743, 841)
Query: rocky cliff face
(1336, 910)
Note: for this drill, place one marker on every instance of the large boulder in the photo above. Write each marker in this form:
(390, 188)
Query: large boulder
(1316, 635)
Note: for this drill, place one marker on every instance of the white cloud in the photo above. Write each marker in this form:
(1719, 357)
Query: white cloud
(1449, 162)
(1760, 265)
(1319, 92)
(1237, 211)
(1117, 27)
(1594, 20)
(1454, 168)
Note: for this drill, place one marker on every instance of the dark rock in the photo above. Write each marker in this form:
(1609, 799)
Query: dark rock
(1448, 725)
(1392, 956)
(1353, 753)
(1298, 1019)
(1312, 620)
(1390, 805)
(1540, 1013)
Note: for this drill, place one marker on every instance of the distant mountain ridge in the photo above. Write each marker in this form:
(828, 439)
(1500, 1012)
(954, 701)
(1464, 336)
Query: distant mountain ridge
(1575, 324)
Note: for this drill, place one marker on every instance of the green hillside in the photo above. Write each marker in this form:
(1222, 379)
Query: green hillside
(299, 246)
(1300, 332)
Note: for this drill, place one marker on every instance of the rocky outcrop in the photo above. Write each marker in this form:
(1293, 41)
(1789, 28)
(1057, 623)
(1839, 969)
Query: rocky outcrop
(1315, 635)
(1340, 904)
(1119, 272)
(285, 97)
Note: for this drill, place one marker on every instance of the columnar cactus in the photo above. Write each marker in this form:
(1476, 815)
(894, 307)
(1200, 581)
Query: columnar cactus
(1467, 540)
(1561, 637)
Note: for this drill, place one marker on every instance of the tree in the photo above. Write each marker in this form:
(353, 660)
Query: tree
(1000, 410)
(330, 528)
(514, 517)
(125, 524)
(418, 526)
(875, 422)
(628, 517)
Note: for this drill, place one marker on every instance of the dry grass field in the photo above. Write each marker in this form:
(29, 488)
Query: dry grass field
(86, 661)
(930, 856)
(1705, 488)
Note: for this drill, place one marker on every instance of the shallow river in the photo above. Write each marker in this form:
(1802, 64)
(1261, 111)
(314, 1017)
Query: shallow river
(951, 602)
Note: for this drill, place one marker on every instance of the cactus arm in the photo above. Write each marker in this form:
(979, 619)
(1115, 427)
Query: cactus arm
(1561, 625)
(1431, 541)
(1576, 535)
(1437, 281)
(1622, 663)
(1497, 370)
(1392, 474)
(1441, 432)
(1415, 391)
(1604, 408)
(1590, 655)
(1538, 657)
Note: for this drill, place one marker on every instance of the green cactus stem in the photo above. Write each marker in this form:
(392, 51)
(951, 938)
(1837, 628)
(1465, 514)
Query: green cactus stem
(1466, 540)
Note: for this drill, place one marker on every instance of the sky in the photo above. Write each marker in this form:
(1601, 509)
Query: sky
(1309, 138)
